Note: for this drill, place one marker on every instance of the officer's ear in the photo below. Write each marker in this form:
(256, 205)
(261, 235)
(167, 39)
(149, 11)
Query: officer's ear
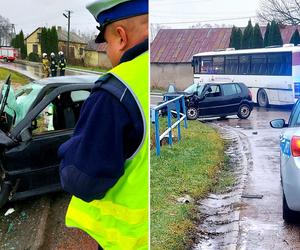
(122, 37)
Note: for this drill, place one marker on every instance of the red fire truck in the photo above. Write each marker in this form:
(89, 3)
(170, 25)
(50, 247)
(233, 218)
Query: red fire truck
(8, 54)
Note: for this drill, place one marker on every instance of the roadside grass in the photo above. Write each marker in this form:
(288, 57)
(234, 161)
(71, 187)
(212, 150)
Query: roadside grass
(88, 68)
(16, 77)
(158, 89)
(192, 167)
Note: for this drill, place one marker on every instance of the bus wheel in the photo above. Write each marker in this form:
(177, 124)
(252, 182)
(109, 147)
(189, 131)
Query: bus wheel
(262, 98)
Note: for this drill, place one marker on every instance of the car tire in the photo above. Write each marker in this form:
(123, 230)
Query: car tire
(244, 111)
(5, 59)
(288, 215)
(262, 98)
(5, 189)
(192, 113)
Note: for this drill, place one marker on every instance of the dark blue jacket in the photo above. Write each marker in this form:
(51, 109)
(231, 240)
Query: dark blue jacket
(104, 137)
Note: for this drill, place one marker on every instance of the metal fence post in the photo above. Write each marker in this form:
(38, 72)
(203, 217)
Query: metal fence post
(178, 118)
(157, 140)
(184, 111)
(169, 125)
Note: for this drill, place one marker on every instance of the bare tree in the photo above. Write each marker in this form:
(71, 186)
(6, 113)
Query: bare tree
(5, 31)
(209, 25)
(154, 28)
(282, 11)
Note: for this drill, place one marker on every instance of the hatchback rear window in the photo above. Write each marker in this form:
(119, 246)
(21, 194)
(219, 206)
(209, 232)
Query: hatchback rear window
(229, 89)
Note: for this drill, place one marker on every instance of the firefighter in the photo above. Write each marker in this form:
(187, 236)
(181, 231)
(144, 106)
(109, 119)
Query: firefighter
(62, 63)
(45, 63)
(53, 65)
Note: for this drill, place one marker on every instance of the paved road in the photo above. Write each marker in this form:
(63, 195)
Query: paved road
(155, 99)
(261, 225)
(35, 71)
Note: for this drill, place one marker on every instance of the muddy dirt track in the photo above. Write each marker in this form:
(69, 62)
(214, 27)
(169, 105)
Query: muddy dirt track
(259, 223)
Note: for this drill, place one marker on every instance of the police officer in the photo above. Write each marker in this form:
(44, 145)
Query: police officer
(62, 63)
(45, 63)
(53, 65)
(105, 163)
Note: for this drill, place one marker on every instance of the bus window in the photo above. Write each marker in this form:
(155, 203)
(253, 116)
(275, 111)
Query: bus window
(244, 66)
(218, 65)
(206, 65)
(259, 64)
(196, 64)
(231, 65)
(287, 67)
(274, 63)
(279, 64)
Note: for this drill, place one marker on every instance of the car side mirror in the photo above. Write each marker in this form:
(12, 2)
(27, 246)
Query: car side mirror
(278, 123)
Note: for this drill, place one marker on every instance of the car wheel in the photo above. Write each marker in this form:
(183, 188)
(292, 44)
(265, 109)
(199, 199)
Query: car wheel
(288, 215)
(244, 111)
(262, 98)
(5, 189)
(192, 113)
(5, 59)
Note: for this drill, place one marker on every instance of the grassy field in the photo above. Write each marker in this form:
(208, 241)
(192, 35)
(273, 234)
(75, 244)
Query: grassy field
(195, 166)
(16, 77)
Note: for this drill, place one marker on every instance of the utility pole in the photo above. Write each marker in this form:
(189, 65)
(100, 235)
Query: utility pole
(68, 16)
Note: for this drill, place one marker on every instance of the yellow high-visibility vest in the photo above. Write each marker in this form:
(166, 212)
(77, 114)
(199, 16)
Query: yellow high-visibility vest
(120, 219)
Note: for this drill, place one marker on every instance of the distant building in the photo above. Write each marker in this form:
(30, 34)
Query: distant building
(172, 51)
(77, 44)
(95, 55)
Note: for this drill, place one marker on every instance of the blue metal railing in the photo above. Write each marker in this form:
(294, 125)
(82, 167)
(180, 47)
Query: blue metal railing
(170, 109)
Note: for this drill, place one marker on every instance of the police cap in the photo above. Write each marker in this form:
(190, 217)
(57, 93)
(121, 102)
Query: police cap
(109, 11)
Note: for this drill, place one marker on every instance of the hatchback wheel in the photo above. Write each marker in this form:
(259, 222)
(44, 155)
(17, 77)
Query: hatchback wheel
(288, 215)
(262, 98)
(244, 111)
(192, 113)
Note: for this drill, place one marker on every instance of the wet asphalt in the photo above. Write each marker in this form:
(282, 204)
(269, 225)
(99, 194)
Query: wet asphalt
(34, 71)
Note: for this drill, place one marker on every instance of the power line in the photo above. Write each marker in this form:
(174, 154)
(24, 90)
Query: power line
(204, 21)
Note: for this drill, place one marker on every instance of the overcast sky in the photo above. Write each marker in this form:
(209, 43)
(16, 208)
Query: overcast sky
(30, 14)
(189, 12)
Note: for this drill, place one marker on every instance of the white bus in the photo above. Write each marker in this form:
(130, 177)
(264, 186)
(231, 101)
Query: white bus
(271, 74)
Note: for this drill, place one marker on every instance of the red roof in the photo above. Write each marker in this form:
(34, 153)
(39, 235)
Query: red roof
(99, 47)
(179, 45)
(102, 47)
